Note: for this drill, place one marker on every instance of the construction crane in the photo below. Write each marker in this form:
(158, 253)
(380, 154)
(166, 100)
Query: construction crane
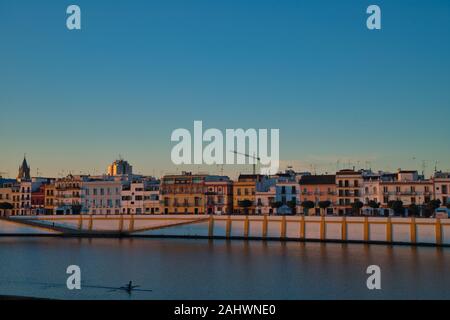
(250, 157)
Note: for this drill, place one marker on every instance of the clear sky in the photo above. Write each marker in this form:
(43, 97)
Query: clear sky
(75, 100)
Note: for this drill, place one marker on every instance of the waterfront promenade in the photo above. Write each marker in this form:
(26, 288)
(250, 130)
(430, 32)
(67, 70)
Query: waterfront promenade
(420, 231)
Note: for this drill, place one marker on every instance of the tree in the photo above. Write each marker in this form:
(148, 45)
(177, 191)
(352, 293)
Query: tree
(245, 204)
(307, 205)
(275, 205)
(324, 205)
(356, 206)
(6, 206)
(414, 210)
(396, 206)
(431, 206)
(374, 205)
(76, 209)
(292, 204)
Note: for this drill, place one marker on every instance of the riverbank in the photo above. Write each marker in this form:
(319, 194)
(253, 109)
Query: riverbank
(372, 230)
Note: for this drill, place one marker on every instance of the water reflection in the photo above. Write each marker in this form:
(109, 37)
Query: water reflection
(220, 269)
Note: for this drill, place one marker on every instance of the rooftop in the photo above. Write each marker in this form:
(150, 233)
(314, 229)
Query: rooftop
(319, 179)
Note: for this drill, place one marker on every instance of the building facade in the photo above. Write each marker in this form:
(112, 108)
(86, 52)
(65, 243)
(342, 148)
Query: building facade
(68, 194)
(349, 188)
(317, 188)
(183, 194)
(441, 186)
(101, 196)
(120, 167)
(218, 195)
(407, 187)
(50, 198)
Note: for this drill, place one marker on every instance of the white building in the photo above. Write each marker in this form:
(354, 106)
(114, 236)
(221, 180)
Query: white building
(442, 187)
(278, 194)
(265, 200)
(140, 197)
(68, 194)
(101, 197)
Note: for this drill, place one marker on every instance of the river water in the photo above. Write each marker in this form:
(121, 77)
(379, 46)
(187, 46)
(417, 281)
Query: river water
(219, 269)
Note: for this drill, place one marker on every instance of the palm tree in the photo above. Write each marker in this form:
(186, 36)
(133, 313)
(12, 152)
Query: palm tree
(307, 205)
(324, 205)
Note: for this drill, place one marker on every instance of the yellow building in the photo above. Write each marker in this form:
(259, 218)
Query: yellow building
(6, 201)
(49, 198)
(244, 190)
(183, 194)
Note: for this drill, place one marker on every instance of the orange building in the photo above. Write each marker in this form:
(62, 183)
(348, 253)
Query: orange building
(317, 188)
(49, 198)
(183, 194)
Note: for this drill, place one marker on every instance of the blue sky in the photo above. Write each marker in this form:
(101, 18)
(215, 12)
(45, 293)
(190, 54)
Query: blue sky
(75, 100)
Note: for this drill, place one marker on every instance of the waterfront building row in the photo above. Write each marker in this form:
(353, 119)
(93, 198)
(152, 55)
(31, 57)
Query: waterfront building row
(289, 192)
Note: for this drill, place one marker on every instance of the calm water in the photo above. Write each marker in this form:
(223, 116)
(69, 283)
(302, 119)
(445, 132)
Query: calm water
(202, 269)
